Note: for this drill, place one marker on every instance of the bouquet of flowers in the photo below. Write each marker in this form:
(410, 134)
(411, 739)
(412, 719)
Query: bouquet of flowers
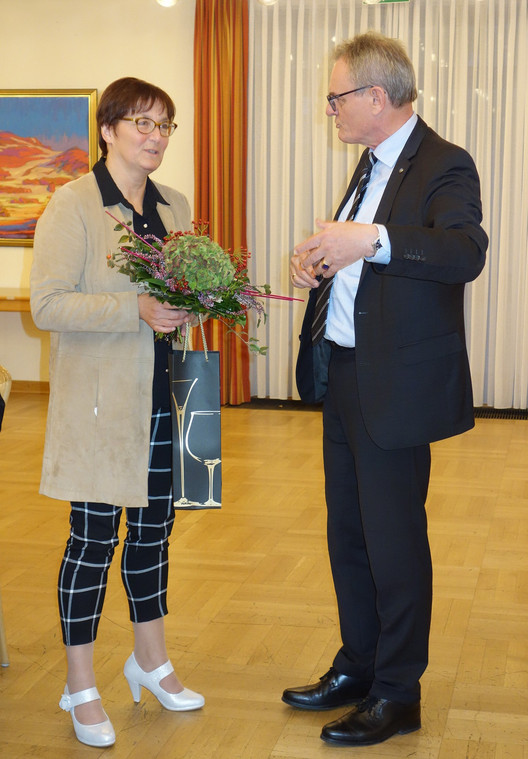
(191, 271)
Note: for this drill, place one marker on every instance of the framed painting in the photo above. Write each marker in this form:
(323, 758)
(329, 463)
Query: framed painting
(47, 138)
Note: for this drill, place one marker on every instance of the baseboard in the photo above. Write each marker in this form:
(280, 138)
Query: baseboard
(481, 412)
(277, 403)
(29, 386)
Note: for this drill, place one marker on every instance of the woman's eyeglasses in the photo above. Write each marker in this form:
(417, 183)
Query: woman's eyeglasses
(146, 125)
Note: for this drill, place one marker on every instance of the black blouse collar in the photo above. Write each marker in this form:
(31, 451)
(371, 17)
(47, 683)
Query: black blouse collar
(112, 195)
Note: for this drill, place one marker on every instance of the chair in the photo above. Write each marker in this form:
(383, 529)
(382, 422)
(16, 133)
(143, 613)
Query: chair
(5, 389)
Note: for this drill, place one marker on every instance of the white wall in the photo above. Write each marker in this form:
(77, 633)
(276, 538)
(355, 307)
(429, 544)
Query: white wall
(57, 44)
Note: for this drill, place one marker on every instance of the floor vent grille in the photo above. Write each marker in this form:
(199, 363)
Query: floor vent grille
(487, 412)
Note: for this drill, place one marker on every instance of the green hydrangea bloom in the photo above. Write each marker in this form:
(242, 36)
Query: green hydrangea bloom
(199, 261)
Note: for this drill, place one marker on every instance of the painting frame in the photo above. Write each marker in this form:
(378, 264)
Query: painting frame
(47, 138)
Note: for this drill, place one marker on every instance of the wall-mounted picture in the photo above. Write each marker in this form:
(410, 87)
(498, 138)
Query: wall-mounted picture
(47, 138)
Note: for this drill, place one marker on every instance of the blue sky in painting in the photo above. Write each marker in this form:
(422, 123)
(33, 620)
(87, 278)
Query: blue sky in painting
(57, 121)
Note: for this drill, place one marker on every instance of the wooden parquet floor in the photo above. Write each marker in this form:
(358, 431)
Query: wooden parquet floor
(252, 606)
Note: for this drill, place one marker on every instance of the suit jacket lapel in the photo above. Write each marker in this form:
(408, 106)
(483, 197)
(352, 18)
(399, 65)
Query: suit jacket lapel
(401, 167)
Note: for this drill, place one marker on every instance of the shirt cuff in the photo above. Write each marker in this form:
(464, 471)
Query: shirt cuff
(383, 254)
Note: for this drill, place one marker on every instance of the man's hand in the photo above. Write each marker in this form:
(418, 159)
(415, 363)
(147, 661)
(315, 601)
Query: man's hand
(336, 245)
(161, 317)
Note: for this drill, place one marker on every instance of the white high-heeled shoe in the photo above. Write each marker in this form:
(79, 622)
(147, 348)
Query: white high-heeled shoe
(184, 701)
(100, 735)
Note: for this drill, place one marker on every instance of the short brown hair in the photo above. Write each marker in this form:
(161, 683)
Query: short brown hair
(373, 58)
(128, 95)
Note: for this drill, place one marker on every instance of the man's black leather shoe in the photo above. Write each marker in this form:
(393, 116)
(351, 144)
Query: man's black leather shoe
(373, 721)
(332, 690)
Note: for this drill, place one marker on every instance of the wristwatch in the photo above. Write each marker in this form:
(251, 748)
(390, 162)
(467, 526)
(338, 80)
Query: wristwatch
(376, 245)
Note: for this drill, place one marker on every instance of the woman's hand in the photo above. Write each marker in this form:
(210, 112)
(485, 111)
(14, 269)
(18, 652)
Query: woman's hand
(299, 275)
(162, 317)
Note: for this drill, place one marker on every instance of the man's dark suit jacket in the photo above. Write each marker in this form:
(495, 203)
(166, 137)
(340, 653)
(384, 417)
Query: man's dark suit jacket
(412, 366)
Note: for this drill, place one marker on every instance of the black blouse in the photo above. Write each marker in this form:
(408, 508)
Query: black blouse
(149, 222)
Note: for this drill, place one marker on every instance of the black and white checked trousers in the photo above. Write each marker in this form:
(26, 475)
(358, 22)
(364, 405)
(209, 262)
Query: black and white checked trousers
(144, 562)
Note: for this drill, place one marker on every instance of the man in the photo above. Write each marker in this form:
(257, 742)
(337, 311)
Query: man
(398, 378)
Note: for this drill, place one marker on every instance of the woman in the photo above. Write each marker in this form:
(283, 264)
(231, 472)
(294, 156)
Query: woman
(108, 436)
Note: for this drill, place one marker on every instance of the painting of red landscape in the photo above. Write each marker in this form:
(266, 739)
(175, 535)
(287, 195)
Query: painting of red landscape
(47, 138)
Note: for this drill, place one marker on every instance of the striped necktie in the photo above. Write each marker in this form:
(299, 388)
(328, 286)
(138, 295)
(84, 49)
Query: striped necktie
(323, 291)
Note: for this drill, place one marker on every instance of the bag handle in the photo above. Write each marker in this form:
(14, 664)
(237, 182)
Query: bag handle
(186, 339)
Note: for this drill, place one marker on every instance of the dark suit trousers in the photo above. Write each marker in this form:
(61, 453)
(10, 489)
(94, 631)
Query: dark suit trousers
(378, 545)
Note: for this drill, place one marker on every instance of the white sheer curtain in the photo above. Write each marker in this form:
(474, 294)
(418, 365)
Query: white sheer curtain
(471, 62)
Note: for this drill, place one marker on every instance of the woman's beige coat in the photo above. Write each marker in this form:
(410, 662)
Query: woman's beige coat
(102, 354)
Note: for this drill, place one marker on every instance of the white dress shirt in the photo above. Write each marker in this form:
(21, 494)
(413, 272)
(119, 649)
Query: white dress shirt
(340, 321)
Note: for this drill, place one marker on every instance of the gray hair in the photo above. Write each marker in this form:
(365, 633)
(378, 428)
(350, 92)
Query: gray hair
(373, 58)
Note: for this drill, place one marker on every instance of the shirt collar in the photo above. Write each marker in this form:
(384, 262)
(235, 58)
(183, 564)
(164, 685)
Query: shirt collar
(112, 195)
(388, 151)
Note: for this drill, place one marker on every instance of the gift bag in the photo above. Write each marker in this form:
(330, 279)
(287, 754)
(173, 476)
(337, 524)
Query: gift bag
(195, 414)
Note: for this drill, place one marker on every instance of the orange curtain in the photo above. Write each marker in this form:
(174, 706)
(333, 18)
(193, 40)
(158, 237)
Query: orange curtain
(220, 150)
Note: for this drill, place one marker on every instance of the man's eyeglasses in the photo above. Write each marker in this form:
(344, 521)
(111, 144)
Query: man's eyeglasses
(332, 98)
(146, 125)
